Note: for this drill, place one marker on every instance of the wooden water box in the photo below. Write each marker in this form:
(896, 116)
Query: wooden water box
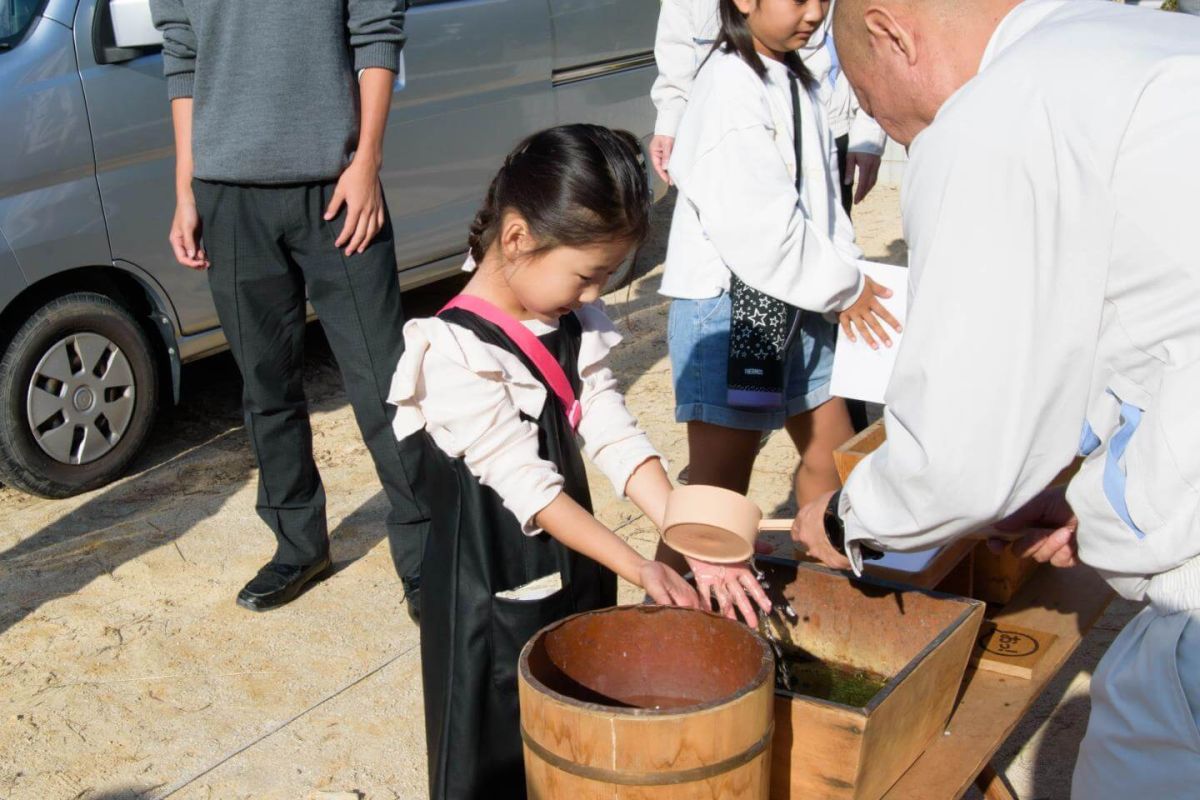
(919, 640)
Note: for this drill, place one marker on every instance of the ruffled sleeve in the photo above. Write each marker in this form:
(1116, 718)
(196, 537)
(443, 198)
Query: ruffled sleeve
(610, 435)
(469, 397)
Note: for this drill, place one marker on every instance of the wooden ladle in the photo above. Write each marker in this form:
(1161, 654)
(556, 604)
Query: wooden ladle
(714, 524)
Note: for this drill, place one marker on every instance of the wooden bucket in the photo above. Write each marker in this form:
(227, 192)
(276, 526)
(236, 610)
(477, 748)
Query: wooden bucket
(647, 702)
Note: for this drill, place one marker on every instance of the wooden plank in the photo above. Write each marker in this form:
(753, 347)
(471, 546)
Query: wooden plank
(847, 456)
(999, 576)
(992, 784)
(902, 726)
(1011, 650)
(816, 750)
(1065, 603)
(961, 580)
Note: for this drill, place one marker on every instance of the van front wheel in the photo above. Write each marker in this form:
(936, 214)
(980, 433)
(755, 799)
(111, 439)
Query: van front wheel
(78, 396)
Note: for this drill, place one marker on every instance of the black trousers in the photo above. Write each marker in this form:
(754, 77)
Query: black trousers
(267, 245)
(857, 408)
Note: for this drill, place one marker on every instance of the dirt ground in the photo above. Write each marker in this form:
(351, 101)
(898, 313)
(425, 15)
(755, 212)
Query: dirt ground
(126, 670)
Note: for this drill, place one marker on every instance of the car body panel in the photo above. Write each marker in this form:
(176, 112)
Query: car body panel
(457, 117)
(12, 280)
(92, 180)
(134, 149)
(60, 10)
(50, 208)
(596, 31)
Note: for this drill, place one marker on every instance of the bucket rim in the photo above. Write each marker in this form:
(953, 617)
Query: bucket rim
(765, 673)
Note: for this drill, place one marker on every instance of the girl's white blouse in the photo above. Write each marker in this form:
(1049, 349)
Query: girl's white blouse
(470, 396)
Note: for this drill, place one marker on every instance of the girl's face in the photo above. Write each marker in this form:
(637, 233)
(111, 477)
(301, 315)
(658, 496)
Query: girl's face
(780, 26)
(557, 281)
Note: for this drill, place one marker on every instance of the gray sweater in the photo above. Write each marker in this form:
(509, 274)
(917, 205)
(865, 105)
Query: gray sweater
(273, 82)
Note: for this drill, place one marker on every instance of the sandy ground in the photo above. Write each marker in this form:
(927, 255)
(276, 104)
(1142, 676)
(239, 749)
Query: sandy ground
(126, 670)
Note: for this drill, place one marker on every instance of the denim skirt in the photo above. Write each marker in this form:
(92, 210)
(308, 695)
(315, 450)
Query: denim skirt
(698, 339)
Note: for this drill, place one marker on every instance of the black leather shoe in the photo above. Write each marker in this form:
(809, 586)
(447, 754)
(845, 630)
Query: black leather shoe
(278, 584)
(412, 597)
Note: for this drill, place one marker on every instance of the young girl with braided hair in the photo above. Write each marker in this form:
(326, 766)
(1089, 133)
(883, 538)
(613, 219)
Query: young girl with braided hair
(501, 388)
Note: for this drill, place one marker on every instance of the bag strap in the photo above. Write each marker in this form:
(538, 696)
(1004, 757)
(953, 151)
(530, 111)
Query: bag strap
(530, 345)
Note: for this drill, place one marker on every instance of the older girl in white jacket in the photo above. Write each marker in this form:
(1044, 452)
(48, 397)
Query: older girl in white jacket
(758, 215)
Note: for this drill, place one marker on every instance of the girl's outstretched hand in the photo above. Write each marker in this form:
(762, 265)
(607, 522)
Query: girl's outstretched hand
(666, 587)
(733, 585)
(866, 313)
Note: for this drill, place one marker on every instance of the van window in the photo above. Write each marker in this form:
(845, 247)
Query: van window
(15, 17)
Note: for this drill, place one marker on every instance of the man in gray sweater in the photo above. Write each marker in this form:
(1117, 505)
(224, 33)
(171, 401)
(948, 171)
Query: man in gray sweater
(279, 111)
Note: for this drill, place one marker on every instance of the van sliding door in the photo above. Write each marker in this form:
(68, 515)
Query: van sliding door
(604, 62)
(477, 81)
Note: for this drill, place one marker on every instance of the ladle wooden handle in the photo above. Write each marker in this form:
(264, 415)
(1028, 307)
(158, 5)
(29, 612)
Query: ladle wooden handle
(770, 525)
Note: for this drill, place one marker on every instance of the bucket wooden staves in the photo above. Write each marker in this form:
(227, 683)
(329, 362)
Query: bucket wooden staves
(648, 703)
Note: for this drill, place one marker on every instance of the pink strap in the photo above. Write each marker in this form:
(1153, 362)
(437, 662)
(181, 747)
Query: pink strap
(530, 345)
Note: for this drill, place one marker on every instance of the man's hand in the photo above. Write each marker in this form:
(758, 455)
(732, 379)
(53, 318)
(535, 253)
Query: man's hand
(360, 192)
(808, 531)
(660, 155)
(866, 313)
(1053, 524)
(185, 235)
(185, 228)
(867, 166)
(733, 585)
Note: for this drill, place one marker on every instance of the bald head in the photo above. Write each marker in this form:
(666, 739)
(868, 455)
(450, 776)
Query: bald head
(906, 57)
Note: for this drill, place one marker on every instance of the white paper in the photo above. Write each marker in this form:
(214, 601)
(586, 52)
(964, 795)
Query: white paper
(860, 373)
(534, 590)
(907, 562)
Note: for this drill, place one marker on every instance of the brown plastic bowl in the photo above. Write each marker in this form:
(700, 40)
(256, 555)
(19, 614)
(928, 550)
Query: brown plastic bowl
(711, 524)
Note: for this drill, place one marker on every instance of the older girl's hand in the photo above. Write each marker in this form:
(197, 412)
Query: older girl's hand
(660, 155)
(733, 585)
(866, 314)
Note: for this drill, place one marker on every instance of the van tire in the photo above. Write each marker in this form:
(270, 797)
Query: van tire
(27, 465)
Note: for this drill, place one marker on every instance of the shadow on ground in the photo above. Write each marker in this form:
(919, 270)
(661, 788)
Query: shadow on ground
(198, 450)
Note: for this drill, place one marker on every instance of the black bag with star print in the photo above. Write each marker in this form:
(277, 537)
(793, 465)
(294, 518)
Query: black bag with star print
(761, 330)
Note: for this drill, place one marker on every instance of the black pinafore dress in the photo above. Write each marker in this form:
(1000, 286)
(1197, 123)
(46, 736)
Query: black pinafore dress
(471, 639)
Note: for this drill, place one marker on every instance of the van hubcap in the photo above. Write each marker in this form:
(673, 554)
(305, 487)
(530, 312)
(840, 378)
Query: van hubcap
(80, 398)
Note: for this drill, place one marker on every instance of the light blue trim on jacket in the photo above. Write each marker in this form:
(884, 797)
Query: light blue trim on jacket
(1114, 470)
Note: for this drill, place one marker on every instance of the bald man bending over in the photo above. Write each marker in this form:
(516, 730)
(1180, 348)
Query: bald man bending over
(1052, 211)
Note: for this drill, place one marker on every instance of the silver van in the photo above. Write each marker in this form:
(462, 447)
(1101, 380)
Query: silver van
(96, 317)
